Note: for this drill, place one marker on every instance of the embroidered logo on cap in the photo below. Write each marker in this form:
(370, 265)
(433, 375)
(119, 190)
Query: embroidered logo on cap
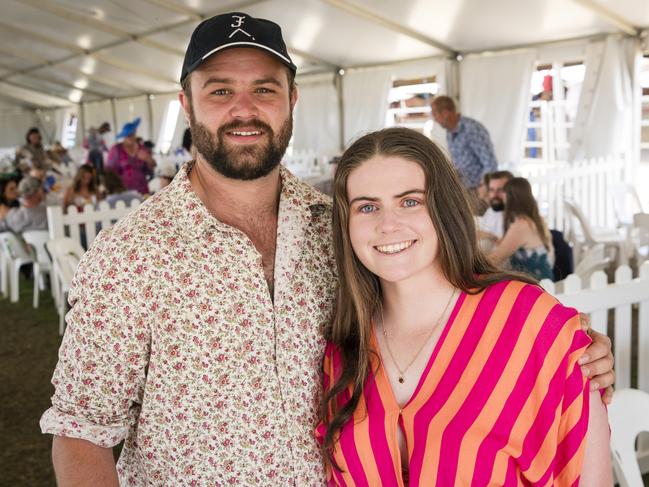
(238, 23)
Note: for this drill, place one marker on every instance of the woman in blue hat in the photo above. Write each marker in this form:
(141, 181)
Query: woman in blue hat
(131, 160)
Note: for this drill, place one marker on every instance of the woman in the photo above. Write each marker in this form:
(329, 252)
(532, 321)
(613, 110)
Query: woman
(527, 243)
(130, 159)
(84, 189)
(440, 369)
(9, 191)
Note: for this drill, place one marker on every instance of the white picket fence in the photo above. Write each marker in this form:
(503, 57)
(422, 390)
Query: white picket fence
(88, 222)
(621, 296)
(586, 183)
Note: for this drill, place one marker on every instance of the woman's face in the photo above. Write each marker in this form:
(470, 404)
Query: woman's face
(86, 178)
(34, 138)
(389, 226)
(11, 191)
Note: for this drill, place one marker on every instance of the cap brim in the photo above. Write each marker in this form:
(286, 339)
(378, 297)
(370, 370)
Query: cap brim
(278, 54)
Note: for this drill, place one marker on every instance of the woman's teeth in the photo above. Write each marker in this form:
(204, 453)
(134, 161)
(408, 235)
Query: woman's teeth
(394, 248)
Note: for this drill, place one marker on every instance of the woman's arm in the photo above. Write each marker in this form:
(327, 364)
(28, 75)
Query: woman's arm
(596, 470)
(514, 238)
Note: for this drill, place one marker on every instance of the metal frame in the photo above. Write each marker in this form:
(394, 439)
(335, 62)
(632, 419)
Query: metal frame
(193, 15)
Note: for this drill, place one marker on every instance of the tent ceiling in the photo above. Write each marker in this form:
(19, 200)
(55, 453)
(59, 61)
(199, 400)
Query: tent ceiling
(70, 50)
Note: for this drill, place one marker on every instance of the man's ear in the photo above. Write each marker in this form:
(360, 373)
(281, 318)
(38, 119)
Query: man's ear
(293, 97)
(186, 103)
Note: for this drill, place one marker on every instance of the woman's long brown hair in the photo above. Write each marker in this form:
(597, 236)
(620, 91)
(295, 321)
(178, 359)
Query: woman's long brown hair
(359, 291)
(521, 203)
(76, 183)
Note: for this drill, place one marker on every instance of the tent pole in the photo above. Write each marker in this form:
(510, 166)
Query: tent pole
(338, 81)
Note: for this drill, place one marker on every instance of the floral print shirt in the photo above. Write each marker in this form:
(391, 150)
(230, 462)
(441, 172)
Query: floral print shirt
(175, 346)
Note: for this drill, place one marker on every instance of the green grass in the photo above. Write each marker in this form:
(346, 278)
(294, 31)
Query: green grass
(29, 345)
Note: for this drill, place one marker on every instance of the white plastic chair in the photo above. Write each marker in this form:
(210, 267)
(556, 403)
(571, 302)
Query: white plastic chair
(15, 255)
(43, 264)
(640, 237)
(628, 415)
(66, 254)
(611, 239)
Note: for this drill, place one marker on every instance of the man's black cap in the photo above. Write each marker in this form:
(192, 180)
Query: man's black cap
(234, 29)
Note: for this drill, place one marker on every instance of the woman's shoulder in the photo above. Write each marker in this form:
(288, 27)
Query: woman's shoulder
(513, 294)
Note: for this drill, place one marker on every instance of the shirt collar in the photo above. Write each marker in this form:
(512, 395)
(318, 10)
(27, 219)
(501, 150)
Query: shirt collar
(459, 128)
(188, 213)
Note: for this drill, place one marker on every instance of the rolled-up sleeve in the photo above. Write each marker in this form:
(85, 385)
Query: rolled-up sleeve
(100, 376)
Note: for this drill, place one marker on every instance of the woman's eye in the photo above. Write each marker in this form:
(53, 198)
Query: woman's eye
(366, 208)
(410, 202)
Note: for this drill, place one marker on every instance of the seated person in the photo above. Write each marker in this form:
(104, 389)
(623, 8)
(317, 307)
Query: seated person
(491, 223)
(84, 190)
(116, 191)
(527, 243)
(32, 214)
(9, 191)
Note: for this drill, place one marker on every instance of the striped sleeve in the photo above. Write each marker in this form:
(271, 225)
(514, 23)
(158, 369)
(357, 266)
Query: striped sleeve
(553, 450)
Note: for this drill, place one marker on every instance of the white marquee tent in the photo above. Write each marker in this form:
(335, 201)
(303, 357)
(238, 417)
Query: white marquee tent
(116, 59)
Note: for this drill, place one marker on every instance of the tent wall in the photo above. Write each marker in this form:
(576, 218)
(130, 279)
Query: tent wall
(14, 123)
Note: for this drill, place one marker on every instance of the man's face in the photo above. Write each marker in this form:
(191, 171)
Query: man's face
(240, 113)
(441, 117)
(496, 193)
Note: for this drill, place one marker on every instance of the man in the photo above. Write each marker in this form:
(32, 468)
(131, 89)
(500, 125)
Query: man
(468, 142)
(492, 223)
(195, 329)
(97, 147)
(32, 213)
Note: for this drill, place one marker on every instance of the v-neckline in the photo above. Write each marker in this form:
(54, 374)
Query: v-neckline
(429, 363)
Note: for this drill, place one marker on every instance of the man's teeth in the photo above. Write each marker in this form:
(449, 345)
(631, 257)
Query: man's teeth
(394, 248)
(241, 132)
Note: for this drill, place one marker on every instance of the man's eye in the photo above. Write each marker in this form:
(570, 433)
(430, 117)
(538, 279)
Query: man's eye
(264, 90)
(221, 91)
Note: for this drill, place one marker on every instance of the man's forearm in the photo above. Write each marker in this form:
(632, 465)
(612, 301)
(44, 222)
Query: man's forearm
(81, 463)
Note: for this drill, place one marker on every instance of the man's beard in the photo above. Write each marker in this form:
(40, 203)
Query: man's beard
(497, 205)
(241, 162)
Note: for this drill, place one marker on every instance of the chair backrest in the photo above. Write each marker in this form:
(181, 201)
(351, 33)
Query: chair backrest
(37, 239)
(14, 248)
(83, 226)
(574, 213)
(628, 416)
(626, 201)
(66, 254)
(592, 260)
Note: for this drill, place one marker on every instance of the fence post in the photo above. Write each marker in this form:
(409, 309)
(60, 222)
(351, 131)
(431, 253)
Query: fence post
(622, 333)
(599, 319)
(643, 335)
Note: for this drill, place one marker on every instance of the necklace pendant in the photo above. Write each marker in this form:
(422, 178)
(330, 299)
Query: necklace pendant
(400, 380)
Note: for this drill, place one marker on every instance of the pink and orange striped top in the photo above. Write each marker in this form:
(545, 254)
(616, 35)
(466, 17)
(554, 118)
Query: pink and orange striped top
(502, 401)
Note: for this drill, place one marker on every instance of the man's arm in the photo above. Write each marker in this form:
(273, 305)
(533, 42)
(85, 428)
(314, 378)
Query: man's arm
(484, 149)
(80, 463)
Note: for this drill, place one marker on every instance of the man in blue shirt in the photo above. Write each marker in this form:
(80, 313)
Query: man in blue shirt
(468, 142)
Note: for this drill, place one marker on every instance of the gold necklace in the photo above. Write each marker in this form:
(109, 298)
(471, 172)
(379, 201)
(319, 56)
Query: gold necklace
(402, 372)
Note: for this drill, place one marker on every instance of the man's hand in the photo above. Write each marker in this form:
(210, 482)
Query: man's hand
(597, 361)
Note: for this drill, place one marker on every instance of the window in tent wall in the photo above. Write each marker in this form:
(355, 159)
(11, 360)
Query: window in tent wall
(409, 104)
(554, 96)
(69, 132)
(644, 121)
